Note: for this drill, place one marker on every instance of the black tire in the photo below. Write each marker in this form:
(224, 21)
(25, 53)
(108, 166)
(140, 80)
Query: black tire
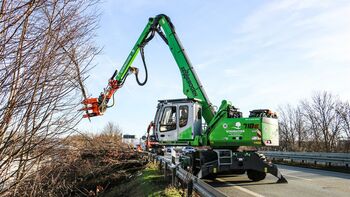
(256, 175)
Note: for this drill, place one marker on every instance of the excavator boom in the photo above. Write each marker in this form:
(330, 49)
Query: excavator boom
(192, 87)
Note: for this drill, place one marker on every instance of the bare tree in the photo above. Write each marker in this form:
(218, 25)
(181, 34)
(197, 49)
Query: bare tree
(344, 116)
(292, 127)
(318, 124)
(299, 126)
(45, 49)
(323, 121)
(286, 127)
(344, 113)
(112, 129)
(311, 126)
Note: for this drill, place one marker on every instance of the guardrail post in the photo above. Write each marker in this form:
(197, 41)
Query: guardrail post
(160, 165)
(165, 170)
(189, 188)
(173, 176)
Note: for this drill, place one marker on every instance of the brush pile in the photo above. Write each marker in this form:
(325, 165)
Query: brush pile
(84, 166)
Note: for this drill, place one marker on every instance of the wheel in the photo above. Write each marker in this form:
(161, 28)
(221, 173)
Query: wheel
(256, 175)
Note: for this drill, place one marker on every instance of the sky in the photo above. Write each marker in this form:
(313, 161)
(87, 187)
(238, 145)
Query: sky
(256, 54)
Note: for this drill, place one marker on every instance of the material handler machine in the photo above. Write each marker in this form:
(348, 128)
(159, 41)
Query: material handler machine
(178, 122)
(151, 142)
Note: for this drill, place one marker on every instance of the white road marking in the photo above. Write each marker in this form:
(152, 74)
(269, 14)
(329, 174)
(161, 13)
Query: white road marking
(297, 177)
(241, 188)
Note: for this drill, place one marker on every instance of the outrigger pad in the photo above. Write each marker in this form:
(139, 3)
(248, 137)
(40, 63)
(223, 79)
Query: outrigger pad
(255, 162)
(282, 180)
(272, 169)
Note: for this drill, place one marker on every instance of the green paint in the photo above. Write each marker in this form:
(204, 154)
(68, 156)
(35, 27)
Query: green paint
(197, 141)
(186, 134)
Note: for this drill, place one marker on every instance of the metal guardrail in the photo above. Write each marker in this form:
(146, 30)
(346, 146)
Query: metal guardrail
(339, 159)
(191, 181)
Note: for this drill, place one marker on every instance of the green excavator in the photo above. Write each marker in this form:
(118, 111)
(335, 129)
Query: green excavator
(226, 143)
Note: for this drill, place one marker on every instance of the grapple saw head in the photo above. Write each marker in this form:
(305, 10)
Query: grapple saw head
(92, 107)
(97, 106)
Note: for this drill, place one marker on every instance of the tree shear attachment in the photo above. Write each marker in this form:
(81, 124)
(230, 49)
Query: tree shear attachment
(97, 106)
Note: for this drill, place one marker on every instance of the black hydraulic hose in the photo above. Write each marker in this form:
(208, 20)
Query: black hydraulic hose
(114, 74)
(161, 34)
(154, 29)
(145, 66)
(149, 38)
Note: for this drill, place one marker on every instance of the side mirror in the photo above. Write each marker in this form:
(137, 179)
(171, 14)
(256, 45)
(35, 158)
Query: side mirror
(143, 138)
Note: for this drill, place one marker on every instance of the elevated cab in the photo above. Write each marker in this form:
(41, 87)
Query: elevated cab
(178, 120)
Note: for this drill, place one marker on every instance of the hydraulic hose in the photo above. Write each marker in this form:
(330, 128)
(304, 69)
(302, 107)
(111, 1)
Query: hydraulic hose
(149, 38)
(145, 66)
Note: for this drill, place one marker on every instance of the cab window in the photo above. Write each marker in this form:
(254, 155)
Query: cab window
(183, 110)
(168, 120)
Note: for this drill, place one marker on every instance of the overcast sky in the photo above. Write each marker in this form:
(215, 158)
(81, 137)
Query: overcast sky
(257, 54)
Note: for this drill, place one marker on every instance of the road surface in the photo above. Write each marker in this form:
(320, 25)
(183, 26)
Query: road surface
(302, 182)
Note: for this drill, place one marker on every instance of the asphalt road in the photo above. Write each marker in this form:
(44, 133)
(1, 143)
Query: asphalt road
(302, 182)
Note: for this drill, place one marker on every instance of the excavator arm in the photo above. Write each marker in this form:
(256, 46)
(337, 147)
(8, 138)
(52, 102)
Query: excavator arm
(192, 87)
(97, 106)
(226, 129)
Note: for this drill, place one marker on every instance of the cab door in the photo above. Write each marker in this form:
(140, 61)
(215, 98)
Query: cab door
(185, 114)
(176, 122)
(167, 123)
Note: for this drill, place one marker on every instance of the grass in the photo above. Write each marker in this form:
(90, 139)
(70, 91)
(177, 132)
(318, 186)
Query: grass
(149, 183)
(172, 191)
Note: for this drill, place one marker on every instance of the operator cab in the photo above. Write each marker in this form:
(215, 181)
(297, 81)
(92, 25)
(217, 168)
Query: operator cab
(178, 120)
